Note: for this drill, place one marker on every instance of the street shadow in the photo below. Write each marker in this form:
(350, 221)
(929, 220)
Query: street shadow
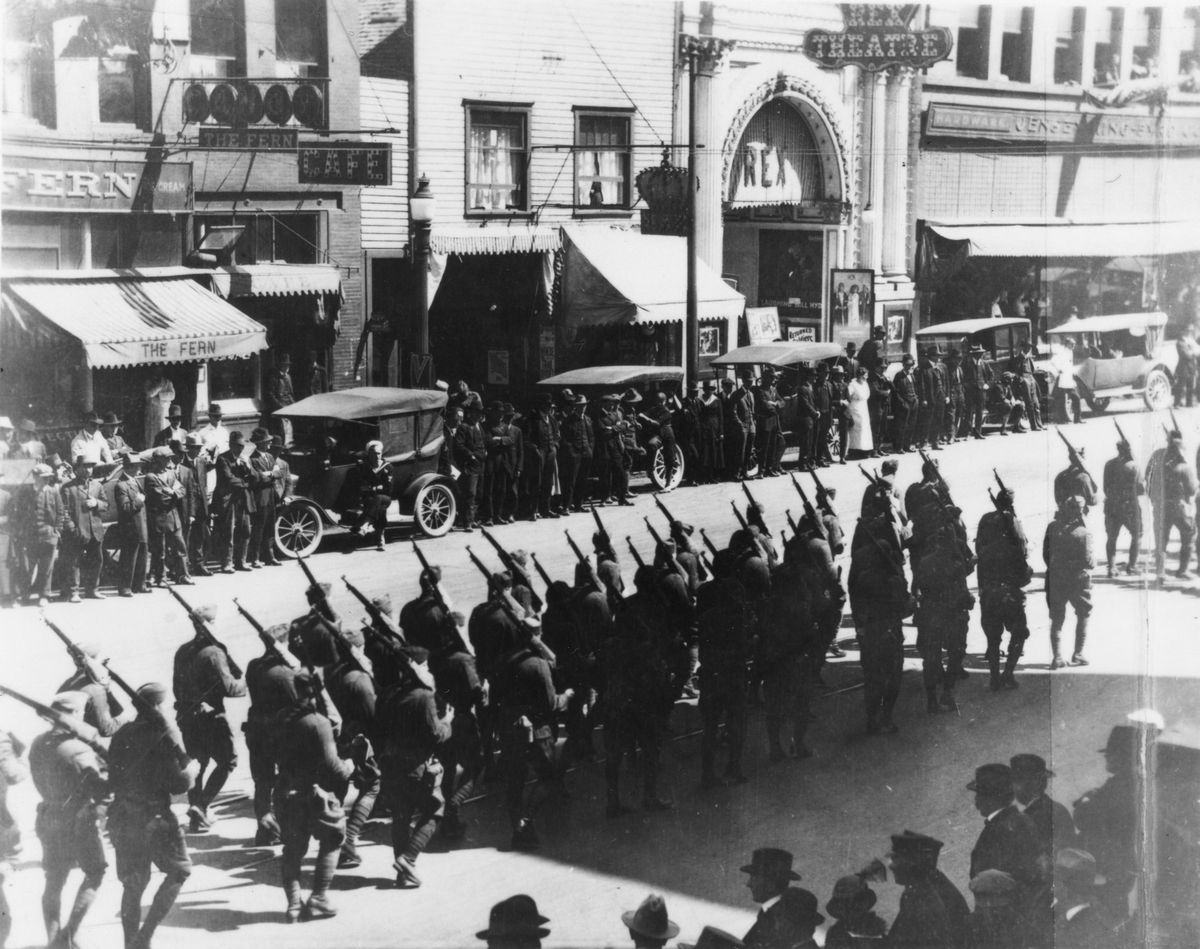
(218, 918)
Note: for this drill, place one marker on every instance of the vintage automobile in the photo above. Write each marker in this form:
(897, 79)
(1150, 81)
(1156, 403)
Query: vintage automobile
(594, 381)
(786, 356)
(1121, 354)
(331, 431)
(1001, 338)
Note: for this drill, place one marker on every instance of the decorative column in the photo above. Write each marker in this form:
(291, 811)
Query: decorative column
(704, 57)
(877, 162)
(895, 158)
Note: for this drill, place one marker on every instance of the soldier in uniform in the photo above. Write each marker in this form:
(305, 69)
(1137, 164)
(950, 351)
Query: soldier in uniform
(270, 681)
(1073, 480)
(312, 638)
(542, 435)
(943, 613)
(412, 731)
(306, 799)
(202, 682)
(814, 554)
(610, 429)
(933, 913)
(72, 782)
(373, 485)
(608, 569)
(131, 525)
(232, 502)
(459, 688)
(1123, 487)
(577, 444)
(491, 629)
(164, 504)
(103, 711)
(589, 624)
(1022, 366)
(84, 502)
(424, 618)
(1174, 507)
(1003, 571)
(1067, 552)
(144, 772)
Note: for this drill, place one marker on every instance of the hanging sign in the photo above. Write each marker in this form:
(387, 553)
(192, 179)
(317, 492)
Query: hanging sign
(877, 37)
(345, 163)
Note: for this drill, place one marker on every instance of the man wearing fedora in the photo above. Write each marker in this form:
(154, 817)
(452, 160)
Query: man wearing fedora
(90, 442)
(174, 428)
(164, 512)
(1080, 920)
(46, 522)
(515, 923)
(28, 444)
(110, 428)
(542, 435)
(263, 478)
(577, 446)
(648, 925)
(933, 913)
(1008, 840)
(904, 406)
(85, 503)
(787, 914)
(768, 438)
(857, 927)
(278, 393)
(200, 530)
(131, 524)
(1052, 822)
(977, 379)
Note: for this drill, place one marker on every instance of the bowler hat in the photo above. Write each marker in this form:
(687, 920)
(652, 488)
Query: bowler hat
(911, 844)
(993, 779)
(110, 418)
(515, 917)
(650, 919)
(713, 938)
(175, 411)
(1029, 765)
(771, 862)
(631, 395)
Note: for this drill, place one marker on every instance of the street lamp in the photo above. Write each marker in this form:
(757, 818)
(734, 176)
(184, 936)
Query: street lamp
(420, 211)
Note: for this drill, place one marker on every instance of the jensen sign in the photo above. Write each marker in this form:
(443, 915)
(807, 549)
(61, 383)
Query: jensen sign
(877, 37)
(60, 184)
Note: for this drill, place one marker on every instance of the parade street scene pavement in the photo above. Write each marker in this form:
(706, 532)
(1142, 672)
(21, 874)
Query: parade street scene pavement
(834, 811)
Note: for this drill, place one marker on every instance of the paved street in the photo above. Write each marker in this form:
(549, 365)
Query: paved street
(833, 811)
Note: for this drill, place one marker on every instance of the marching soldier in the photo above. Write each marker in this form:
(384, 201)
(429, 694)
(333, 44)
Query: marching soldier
(312, 638)
(102, 710)
(933, 913)
(424, 618)
(306, 799)
(788, 651)
(1003, 571)
(202, 682)
(460, 689)
(1123, 486)
(270, 682)
(590, 625)
(412, 732)
(1174, 507)
(608, 569)
(823, 587)
(1074, 481)
(72, 782)
(943, 610)
(1067, 552)
(726, 635)
(491, 630)
(144, 772)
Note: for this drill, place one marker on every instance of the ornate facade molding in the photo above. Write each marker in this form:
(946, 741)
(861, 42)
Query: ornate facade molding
(709, 52)
(784, 86)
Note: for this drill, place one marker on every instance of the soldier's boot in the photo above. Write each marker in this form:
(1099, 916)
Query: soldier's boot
(163, 900)
(948, 701)
(84, 899)
(931, 700)
(1056, 648)
(267, 834)
(319, 905)
(993, 661)
(131, 911)
(52, 908)
(1081, 625)
(360, 813)
(1008, 680)
(295, 902)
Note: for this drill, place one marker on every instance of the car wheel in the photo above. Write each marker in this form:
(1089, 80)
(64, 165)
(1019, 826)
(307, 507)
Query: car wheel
(1158, 390)
(298, 529)
(658, 470)
(834, 439)
(1098, 406)
(435, 508)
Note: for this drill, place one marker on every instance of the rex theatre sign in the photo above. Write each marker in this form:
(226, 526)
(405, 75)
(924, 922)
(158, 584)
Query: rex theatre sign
(878, 37)
(64, 184)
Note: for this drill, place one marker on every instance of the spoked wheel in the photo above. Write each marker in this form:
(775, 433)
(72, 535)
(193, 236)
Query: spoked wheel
(658, 470)
(833, 440)
(1158, 390)
(1099, 406)
(298, 529)
(435, 508)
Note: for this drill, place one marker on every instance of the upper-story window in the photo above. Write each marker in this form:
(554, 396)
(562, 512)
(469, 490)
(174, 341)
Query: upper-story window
(300, 48)
(28, 73)
(218, 38)
(497, 159)
(1016, 42)
(1105, 26)
(972, 41)
(1189, 41)
(602, 159)
(116, 80)
(1144, 28)
(292, 238)
(1068, 44)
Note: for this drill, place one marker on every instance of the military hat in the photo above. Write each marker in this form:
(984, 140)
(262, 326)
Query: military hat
(1029, 765)
(175, 411)
(993, 888)
(1077, 866)
(650, 919)
(850, 892)
(515, 918)
(260, 434)
(917, 846)
(993, 779)
(353, 637)
(631, 395)
(431, 574)
(773, 863)
(153, 693)
(889, 466)
(713, 938)
(70, 703)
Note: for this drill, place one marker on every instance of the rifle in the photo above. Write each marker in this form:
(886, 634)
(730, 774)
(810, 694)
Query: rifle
(323, 603)
(996, 475)
(515, 569)
(1175, 422)
(809, 512)
(755, 511)
(428, 571)
(791, 523)
(874, 479)
(1121, 434)
(822, 494)
(82, 659)
(582, 558)
(379, 620)
(738, 514)
(712, 548)
(940, 480)
(144, 707)
(512, 609)
(206, 632)
(541, 570)
(1076, 460)
(667, 514)
(267, 639)
(633, 550)
(80, 729)
(600, 529)
(707, 563)
(658, 541)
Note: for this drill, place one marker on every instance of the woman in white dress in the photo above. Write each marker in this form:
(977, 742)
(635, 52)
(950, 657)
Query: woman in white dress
(853, 314)
(856, 414)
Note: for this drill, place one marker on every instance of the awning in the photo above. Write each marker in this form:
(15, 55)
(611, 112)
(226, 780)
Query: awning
(614, 376)
(498, 238)
(613, 277)
(946, 246)
(130, 319)
(276, 280)
(365, 402)
(779, 354)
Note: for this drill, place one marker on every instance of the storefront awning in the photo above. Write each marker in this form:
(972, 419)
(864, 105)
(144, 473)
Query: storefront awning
(495, 239)
(129, 319)
(276, 280)
(612, 277)
(946, 246)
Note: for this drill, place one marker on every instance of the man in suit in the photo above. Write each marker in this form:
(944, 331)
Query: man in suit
(767, 403)
(234, 499)
(788, 914)
(1052, 822)
(577, 444)
(262, 516)
(1008, 841)
(174, 427)
(84, 501)
(131, 524)
(977, 379)
(1080, 922)
(904, 407)
(933, 914)
(164, 511)
(198, 462)
(808, 417)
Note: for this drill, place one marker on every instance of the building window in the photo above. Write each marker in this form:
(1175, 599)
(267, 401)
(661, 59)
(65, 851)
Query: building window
(1068, 45)
(1189, 42)
(1107, 64)
(497, 159)
(1016, 43)
(280, 238)
(972, 45)
(300, 38)
(602, 162)
(218, 38)
(116, 85)
(1144, 24)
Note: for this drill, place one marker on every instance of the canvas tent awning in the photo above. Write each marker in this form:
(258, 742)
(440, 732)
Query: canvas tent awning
(614, 277)
(945, 247)
(133, 318)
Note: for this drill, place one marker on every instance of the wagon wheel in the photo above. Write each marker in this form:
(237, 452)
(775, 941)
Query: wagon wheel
(658, 470)
(298, 529)
(833, 439)
(435, 508)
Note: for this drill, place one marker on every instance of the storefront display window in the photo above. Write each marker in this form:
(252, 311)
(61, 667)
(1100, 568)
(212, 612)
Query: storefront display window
(232, 379)
(286, 238)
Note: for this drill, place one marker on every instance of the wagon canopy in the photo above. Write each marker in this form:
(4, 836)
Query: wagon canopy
(365, 402)
(779, 354)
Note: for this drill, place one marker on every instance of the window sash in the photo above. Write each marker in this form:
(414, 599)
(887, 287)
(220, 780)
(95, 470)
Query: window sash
(497, 160)
(602, 161)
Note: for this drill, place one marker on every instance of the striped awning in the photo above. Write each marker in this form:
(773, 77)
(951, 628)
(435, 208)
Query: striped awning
(132, 320)
(495, 239)
(276, 280)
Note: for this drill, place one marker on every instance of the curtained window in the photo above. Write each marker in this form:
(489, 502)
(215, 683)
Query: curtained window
(602, 160)
(497, 160)
(300, 38)
(777, 161)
